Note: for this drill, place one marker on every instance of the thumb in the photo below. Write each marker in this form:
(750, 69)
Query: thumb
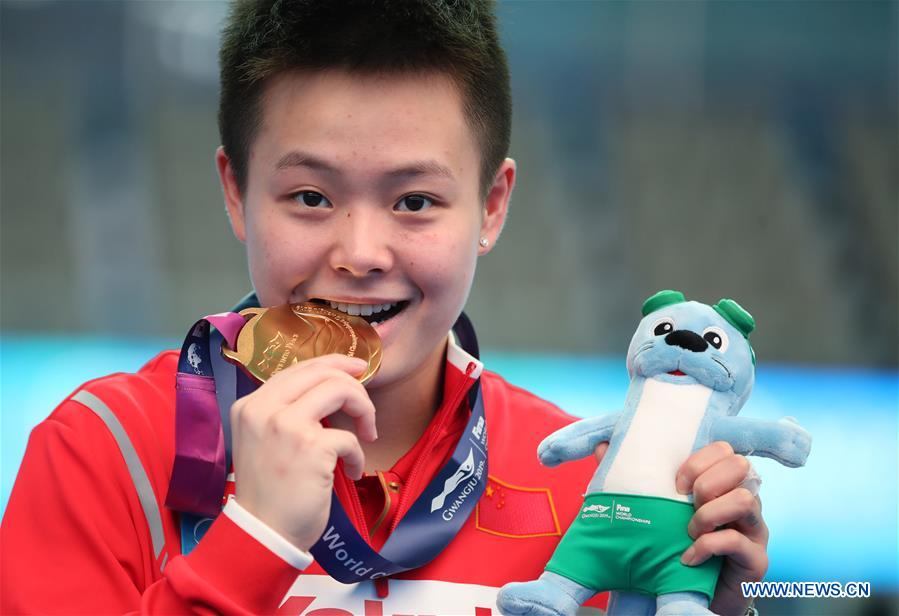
(601, 450)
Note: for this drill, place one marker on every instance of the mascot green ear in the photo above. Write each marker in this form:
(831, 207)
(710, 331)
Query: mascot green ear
(736, 315)
(739, 317)
(662, 299)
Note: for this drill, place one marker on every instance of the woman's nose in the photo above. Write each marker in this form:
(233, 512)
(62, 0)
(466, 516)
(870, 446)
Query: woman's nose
(362, 245)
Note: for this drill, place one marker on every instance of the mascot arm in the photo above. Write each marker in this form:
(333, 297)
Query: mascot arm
(577, 440)
(784, 440)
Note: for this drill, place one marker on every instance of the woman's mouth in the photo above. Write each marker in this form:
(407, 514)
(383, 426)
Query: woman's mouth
(374, 314)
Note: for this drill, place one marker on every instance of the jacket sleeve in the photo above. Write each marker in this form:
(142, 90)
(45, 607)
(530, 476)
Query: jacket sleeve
(74, 538)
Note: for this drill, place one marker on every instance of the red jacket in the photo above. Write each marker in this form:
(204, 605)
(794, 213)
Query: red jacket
(76, 535)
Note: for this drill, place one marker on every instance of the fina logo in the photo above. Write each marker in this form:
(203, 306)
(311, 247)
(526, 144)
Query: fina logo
(478, 430)
(193, 357)
(465, 470)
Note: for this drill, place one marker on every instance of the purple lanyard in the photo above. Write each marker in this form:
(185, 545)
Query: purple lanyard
(198, 475)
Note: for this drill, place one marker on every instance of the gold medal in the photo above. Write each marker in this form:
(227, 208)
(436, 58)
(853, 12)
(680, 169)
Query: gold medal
(277, 337)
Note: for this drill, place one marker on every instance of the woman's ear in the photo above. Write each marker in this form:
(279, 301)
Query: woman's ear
(496, 205)
(233, 203)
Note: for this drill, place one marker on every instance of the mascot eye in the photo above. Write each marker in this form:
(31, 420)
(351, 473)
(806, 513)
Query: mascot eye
(663, 327)
(716, 337)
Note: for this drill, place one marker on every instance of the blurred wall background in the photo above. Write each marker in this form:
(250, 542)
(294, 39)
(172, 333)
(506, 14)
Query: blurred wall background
(744, 149)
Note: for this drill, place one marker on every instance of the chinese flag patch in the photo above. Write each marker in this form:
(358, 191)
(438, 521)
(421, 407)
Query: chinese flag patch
(516, 511)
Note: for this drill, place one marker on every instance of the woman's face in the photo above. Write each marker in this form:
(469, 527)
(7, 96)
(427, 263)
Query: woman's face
(364, 191)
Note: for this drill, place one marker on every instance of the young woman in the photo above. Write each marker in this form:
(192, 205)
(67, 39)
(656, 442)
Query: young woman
(364, 167)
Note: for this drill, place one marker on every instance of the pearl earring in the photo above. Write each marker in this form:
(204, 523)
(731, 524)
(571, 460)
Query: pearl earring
(484, 242)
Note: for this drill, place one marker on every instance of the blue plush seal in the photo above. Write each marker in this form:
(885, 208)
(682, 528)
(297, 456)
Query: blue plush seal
(692, 369)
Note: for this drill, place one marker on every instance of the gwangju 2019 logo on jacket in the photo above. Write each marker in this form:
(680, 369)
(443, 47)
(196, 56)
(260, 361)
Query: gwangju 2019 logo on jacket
(521, 512)
(467, 473)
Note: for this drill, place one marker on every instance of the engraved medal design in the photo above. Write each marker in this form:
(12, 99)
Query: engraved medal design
(277, 337)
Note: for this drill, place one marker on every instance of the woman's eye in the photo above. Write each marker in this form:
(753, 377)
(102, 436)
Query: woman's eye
(413, 203)
(312, 199)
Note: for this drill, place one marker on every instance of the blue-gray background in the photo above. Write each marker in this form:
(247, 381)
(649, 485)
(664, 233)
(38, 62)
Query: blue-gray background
(744, 149)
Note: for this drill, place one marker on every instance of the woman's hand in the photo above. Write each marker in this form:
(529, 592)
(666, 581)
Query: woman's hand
(727, 522)
(284, 458)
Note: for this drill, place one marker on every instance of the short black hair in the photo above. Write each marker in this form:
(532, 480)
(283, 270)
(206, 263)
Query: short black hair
(264, 38)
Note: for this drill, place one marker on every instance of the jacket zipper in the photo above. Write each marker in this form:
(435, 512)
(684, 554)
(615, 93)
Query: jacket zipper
(356, 506)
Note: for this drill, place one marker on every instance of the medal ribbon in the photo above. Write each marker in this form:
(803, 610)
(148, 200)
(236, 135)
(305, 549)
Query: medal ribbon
(198, 474)
(198, 478)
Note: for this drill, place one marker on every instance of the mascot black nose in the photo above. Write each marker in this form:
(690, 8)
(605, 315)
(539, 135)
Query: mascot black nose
(686, 339)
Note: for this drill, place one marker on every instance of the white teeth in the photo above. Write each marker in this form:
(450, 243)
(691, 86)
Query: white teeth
(362, 309)
(373, 323)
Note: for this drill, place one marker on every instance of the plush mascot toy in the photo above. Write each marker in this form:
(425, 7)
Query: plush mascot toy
(691, 369)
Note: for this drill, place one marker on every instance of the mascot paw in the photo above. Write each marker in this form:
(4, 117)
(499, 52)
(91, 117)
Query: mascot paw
(682, 608)
(799, 441)
(550, 453)
(537, 598)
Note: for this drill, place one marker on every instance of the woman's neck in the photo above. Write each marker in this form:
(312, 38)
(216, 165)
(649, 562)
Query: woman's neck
(403, 411)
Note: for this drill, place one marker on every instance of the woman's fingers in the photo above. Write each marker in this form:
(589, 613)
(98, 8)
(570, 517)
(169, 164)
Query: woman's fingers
(723, 476)
(738, 508)
(339, 393)
(600, 451)
(276, 393)
(750, 557)
(346, 447)
(294, 381)
(699, 462)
